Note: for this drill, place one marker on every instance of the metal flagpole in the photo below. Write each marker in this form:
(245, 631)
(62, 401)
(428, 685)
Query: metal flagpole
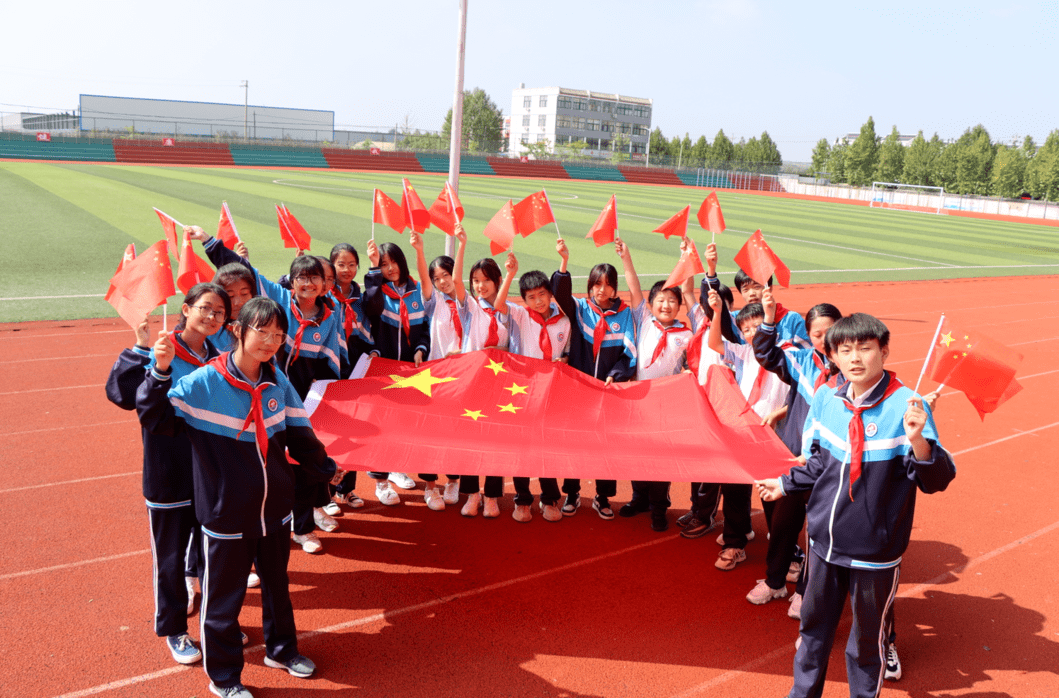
(374, 198)
(456, 136)
(933, 343)
(557, 233)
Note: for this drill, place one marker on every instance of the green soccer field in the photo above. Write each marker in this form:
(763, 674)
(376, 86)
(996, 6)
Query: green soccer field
(65, 226)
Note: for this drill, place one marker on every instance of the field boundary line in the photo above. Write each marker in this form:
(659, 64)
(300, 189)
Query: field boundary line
(45, 390)
(68, 482)
(55, 358)
(68, 565)
(16, 335)
(71, 426)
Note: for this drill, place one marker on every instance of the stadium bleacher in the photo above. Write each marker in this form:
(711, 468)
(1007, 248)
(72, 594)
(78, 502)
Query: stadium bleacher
(605, 174)
(56, 150)
(272, 157)
(181, 153)
(649, 175)
(510, 167)
(345, 159)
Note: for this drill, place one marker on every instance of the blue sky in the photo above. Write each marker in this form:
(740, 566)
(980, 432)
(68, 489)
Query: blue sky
(801, 71)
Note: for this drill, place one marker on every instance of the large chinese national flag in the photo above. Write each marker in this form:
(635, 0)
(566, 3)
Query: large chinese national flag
(493, 413)
(979, 367)
(759, 262)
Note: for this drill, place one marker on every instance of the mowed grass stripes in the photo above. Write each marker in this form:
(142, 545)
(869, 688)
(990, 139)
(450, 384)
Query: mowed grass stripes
(65, 227)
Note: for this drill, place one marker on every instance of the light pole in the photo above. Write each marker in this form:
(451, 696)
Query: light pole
(246, 101)
(455, 136)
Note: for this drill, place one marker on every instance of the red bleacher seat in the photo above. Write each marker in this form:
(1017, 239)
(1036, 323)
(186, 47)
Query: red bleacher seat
(345, 159)
(183, 153)
(650, 175)
(510, 167)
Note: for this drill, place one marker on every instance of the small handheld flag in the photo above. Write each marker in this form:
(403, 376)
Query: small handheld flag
(710, 216)
(170, 225)
(689, 265)
(759, 262)
(502, 229)
(192, 269)
(388, 212)
(446, 211)
(676, 225)
(532, 213)
(226, 231)
(418, 218)
(602, 231)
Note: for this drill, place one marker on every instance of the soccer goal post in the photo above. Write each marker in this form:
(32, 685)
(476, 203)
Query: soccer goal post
(907, 197)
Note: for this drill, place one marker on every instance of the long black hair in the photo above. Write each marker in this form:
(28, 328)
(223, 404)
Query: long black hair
(198, 291)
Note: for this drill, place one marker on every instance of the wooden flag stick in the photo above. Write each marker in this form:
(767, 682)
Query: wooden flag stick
(930, 353)
(165, 321)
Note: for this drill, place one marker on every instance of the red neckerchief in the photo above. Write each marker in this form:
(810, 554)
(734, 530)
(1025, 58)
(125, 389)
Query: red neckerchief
(457, 324)
(821, 379)
(545, 339)
(347, 303)
(856, 428)
(391, 290)
(184, 353)
(492, 339)
(663, 340)
(325, 312)
(695, 348)
(256, 414)
(780, 312)
(600, 330)
(759, 383)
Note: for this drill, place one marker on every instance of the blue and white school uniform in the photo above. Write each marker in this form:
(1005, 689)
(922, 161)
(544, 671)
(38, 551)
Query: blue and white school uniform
(700, 345)
(481, 319)
(446, 316)
(399, 325)
(790, 326)
(526, 338)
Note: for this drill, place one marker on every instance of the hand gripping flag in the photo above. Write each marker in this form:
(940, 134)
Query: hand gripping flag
(602, 231)
(170, 225)
(292, 232)
(759, 262)
(689, 265)
(192, 268)
(446, 211)
(388, 212)
(533, 212)
(418, 218)
(144, 283)
(497, 413)
(226, 231)
(676, 225)
(710, 216)
(979, 367)
(502, 229)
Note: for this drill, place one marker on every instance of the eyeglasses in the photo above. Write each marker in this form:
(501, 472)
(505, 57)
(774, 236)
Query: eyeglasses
(269, 337)
(208, 313)
(315, 279)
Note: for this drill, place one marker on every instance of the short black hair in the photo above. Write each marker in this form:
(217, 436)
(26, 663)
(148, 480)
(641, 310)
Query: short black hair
(531, 281)
(259, 312)
(487, 266)
(822, 310)
(742, 279)
(236, 271)
(858, 327)
(441, 262)
(396, 255)
(661, 286)
(724, 292)
(603, 273)
(749, 312)
(345, 247)
(198, 291)
(308, 265)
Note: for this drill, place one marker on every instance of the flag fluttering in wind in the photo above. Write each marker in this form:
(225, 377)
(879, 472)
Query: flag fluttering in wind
(192, 269)
(226, 231)
(976, 365)
(291, 231)
(446, 211)
(532, 213)
(759, 262)
(418, 218)
(142, 283)
(502, 229)
(170, 225)
(676, 225)
(603, 230)
(710, 216)
(689, 265)
(388, 212)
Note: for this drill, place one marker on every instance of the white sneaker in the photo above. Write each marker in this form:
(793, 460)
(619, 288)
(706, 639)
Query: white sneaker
(309, 542)
(491, 510)
(332, 509)
(523, 513)
(433, 499)
(323, 521)
(252, 582)
(720, 538)
(350, 499)
(386, 494)
(189, 582)
(551, 512)
(402, 481)
(473, 502)
(452, 492)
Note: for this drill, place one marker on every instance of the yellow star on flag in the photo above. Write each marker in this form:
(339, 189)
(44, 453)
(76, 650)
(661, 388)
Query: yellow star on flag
(422, 381)
(517, 389)
(947, 339)
(509, 407)
(496, 368)
(473, 414)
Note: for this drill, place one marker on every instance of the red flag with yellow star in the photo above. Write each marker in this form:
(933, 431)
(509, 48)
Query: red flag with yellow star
(979, 367)
(143, 283)
(192, 269)
(603, 230)
(676, 225)
(417, 216)
(532, 213)
(710, 216)
(759, 262)
(446, 211)
(502, 229)
(494, 413)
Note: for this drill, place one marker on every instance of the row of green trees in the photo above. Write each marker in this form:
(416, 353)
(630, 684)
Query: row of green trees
(483, 127)
(972, 164)
(756, 154)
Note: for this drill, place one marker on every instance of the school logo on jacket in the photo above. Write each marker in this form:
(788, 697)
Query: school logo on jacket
(415, 305)
(560, 337)
(317, 336)
(273, 405)
(615, 326)
(871, 429)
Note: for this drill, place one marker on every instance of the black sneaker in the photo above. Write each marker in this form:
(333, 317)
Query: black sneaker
(697, 528)
(893, 664)
(602, 507)
(573, 501)
(685, 519)
(659, 522)
(633, 508)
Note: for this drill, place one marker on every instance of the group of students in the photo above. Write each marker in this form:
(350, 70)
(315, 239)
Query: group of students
(222, 396)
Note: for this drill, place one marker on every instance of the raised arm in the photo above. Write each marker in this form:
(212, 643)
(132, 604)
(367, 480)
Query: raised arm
(511, 267)
(631, 279)
(457, 268)
(714, 338)
(687, 289)
(562, 287)
(426, 284)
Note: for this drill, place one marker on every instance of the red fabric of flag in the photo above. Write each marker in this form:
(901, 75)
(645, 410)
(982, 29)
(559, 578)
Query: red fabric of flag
(602, 231)
(143, 283)
(446, 211)
(418, 216)
(689, 265)
(226, 228)
(978, 366)
(676, 225)
(292, 232)
(497, 413)
(502, 229)
(170, 225)
(532, 213)
(192, 268)
(759, 262)
(388, 212)
(710, 216)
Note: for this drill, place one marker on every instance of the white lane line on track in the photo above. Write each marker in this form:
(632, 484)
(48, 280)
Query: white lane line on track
(75, 426)
(46, 390)
(1014, 344)
(723, 678)
(68, 565)
(55, 358)
(42, 298)
(19, 335)
(68, 482)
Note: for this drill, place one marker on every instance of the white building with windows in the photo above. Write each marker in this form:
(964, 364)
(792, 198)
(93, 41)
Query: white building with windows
(560, 115)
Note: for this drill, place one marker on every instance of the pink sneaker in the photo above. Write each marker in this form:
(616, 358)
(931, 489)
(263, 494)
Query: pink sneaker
(763, 593)
(729, 558)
